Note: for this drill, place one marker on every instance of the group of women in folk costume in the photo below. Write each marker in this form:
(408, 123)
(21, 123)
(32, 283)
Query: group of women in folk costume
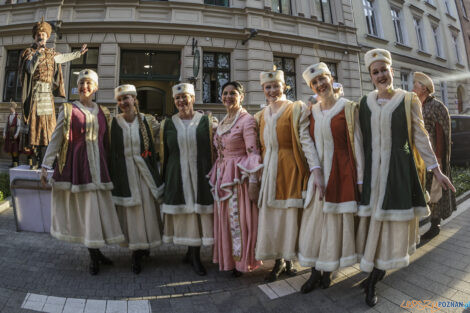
(331, 184)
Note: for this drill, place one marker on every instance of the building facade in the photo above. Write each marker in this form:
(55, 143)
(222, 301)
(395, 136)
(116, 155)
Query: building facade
(155, 44)
(422, 35)
(462, 9)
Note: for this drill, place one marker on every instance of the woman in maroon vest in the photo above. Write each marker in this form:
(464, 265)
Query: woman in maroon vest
(11, 132)
(82, 207)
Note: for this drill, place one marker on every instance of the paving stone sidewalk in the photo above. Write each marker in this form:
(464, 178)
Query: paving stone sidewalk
(36, 265)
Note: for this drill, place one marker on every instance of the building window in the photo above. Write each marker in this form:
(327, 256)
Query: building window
(455, 42)
(437, 40)
(405, 80)
(222, 3)
(88, 60)
(447, 4)
(371, 17)
(12, 86)
(324, 7)
(443, 86)
(464, 10)
(288, 66)
(281, 6)
(150, 65)
(418, 23)
(333, 67)
(397, 24)
(216, 72)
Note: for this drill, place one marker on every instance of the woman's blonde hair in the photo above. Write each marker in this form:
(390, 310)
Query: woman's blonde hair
(142, 128)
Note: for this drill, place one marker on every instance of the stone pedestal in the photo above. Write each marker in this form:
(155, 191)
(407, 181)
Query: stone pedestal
(31, 201)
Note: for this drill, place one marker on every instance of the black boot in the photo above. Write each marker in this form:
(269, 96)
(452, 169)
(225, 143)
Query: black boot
(311, 282)
(187, 256)
(39, 157)
(325, 280)
(94, 267)
(146, 253)
(434, 230)
(236, 273)
(278, 269)
(365, 282)
(196, 261)
(136, 261)
(103, 260)
(371, 295)
(290, 270)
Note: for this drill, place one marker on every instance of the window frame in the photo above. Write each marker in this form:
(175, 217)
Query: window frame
(448, 7)
(436, 30)
(444, 94)
(456, 45)
(280, 7)
(15, 69)
(215, 96)
(464, 10)
(288, 73)
(322, 9)
(150, 76)
(398, 19)
(418, 25)
(407, 73)
(215, 2)
(372, 20)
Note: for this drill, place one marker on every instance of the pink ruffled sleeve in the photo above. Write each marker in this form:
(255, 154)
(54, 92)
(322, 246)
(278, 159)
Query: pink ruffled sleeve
(252, 163)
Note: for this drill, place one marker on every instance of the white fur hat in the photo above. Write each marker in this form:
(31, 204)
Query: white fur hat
(375, 55)
(315, 70)
(87, 73)
(182, 88)
(271, 76)
(124, 90)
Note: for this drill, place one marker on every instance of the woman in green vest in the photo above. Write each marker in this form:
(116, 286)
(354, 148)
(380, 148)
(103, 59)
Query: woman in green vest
(397, 153)
(186, 157)
(134, 173)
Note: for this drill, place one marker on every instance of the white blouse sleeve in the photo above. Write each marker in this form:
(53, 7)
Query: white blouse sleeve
(306, 140)
(55, 143)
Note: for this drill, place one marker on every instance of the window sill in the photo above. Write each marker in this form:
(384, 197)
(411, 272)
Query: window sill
(460, 65)
(403, 46)
(432, 6)
(451, 17)
(375, 38)
(439, 58)
(424, 53)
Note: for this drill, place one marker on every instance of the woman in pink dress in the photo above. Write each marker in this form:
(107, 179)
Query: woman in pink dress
(235, 185)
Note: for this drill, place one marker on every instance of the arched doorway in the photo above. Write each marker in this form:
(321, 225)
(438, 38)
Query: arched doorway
(460, 97)
(151, 100)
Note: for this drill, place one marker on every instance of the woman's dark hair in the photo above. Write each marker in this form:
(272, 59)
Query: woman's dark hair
(237, 85)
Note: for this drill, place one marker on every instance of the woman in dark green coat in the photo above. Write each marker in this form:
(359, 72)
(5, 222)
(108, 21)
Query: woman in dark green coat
(185, 151)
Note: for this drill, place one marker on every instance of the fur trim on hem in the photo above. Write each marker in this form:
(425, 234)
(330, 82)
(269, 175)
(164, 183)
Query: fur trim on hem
(348, 260)
(401, 215)
(339, 208)
(193, 242)
(207, 241)
(81, 188)
(392, 264)
(144, 246)
(182, 209)
(286, 257)
(366, 266)
(327, 266)
(385, 265)
(126, 201)
(285, 204)
(307, 262)
(364, 211)
(86, 242)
